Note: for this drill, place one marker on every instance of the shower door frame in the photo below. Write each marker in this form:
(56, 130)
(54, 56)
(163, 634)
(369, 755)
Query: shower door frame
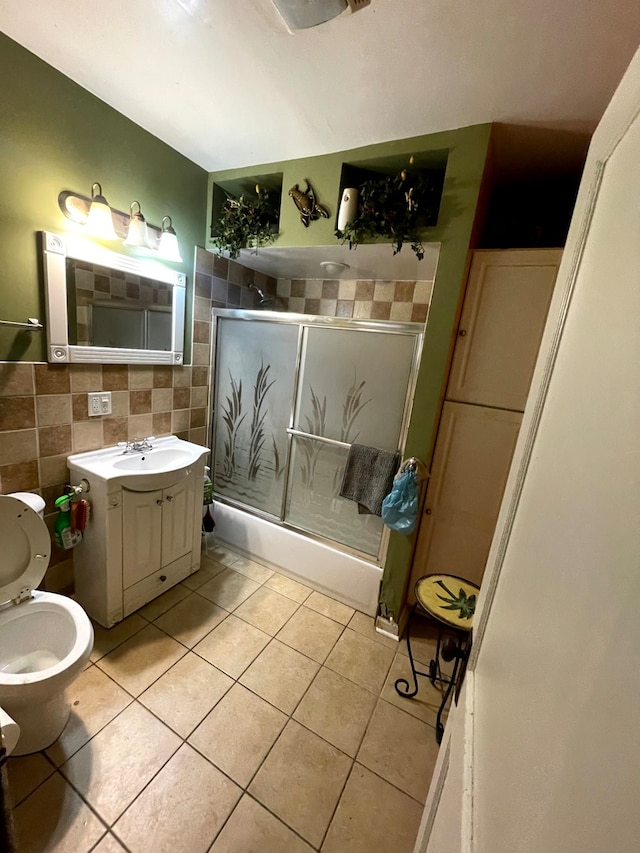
(417, 330)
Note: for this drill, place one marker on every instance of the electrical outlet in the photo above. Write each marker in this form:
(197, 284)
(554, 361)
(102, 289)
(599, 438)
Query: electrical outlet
(99, 403)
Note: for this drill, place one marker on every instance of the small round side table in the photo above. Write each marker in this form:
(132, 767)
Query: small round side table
(450, 601)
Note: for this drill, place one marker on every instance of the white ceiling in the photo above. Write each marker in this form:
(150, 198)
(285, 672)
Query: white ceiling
(225, 83)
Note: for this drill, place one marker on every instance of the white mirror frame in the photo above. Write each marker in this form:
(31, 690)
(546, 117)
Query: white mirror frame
(55, 251)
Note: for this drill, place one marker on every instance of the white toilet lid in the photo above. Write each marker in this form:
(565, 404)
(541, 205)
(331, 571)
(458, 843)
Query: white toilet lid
(25, 548)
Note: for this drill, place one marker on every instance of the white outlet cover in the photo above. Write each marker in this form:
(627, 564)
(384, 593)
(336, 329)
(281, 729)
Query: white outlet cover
(99, 403)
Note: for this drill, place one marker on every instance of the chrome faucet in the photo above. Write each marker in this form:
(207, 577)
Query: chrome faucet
(137, 446)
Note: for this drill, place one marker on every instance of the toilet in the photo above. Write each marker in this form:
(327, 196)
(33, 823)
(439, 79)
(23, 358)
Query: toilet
(45, 638)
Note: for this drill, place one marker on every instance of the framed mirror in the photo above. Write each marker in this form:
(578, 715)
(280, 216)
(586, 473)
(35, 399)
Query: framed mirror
(105, 308)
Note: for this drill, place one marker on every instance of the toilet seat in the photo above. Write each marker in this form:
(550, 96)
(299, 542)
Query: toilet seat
(26, 549)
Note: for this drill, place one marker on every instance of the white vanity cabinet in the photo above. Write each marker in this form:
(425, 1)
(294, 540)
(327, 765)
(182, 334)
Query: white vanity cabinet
(144, 531)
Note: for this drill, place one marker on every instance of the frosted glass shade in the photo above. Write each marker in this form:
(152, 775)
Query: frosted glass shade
(100, 221)
(138, 234)
(168, 248)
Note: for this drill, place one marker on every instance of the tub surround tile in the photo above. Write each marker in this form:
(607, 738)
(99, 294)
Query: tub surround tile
(419, 313)
(19, 446)
(301, 781)
(238, 733)
(329, 607)
(252, 828)
(381, 310)
(201, 354)
(203, 285)
(280, 675)
(200, 376)
(198, 418)
(191, 619)
(362, 309)
(221, 266)
(54, 817)
(337, 710)
(365, 291)
(232, 646)
(266, 610)
(344, 308)
(186, 779)
(310, 633)
(16, 379)
(199, 396)
(358, 828)
(110, 772)
(402, 312)
(383, 291)
(25, 774)
(95, 700)
(186, 693)
(52, 379)
(143, 658)
(401, 749)
(361, 660)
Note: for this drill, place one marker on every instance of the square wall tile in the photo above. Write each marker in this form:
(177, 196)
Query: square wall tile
(162, 376)
(115, 377)
(52, 379)
(16, 379)
(383, 291)
(52, 409)
(140, 426)
(140, 377)
(140, 402)
(53, 470)
(161, 423)
(54, 440)
(114, 430)
(18, 446)
(419, 312)
(17, 413)
(20, 477)
(401, 311)
(86, 377)
(87, 435)
(422, 291)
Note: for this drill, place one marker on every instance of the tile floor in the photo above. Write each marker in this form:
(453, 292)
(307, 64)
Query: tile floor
(241, 712)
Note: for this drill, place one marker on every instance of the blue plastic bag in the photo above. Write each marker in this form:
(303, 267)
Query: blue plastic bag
(400, 507)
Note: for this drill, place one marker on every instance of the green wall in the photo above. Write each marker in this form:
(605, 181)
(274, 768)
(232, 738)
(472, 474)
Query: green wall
(54, 135)
(466, 151)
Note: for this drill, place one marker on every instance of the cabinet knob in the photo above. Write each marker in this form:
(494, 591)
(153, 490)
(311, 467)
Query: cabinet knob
(462, 333)
(169, 498)
(163, 577)
(159, 501)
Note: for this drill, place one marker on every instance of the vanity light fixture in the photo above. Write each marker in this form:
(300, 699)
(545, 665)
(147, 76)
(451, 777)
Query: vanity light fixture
(99, 220)
(168, 248)
(138, 233)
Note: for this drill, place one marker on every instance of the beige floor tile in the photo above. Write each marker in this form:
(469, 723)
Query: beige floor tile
(256, 571)
(95, 700)
(301, 781)
(109, 844)
(372, 815)
(183, 808)
(25, 773)
(238, 733)
(105, 640)
(228, 589)
(191, 619)
(280, 675)
(164, 602)
(55, 818)
(208, 570)
(361, 660)
(365, 625)
(119, 761)
(267, 610)
(252, 829)
(142, 659)
(311, 633)
(401, 749)
(232, 646)
(329, 607)
(290, 588)
(337, 710)
(185, 694)
(424, 705)
(221, 554)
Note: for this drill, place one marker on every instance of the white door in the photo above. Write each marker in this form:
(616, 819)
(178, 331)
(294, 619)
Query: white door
(470, 467)
(141, 535)
(504, 312)
(177, 520)
(553, 736)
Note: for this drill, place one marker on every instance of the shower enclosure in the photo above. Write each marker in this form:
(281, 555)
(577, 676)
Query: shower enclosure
(292, 393)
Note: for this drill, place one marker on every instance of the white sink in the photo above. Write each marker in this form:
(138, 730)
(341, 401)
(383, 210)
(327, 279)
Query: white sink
(164, 459)
(169, 459)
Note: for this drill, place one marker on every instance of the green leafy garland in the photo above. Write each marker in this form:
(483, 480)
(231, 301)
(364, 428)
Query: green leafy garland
(247, 221)
(390, 207)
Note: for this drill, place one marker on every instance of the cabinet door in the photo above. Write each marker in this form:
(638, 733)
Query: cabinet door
(178, 520)
(141, 535)
(504, 313)
(470, 467)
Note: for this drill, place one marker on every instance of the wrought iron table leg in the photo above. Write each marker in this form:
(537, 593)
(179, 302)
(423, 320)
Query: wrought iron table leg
(402, 685)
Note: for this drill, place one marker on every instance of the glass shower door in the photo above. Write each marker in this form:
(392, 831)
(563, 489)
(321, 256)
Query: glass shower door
(352, 388)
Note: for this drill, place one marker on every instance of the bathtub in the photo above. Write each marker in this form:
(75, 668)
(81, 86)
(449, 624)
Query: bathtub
(349, 579)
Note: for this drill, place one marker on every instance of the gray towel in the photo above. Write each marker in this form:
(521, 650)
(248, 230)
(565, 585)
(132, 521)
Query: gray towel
(368, 476)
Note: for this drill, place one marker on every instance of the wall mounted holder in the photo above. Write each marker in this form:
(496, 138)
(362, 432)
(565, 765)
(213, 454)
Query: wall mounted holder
(33, 324)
